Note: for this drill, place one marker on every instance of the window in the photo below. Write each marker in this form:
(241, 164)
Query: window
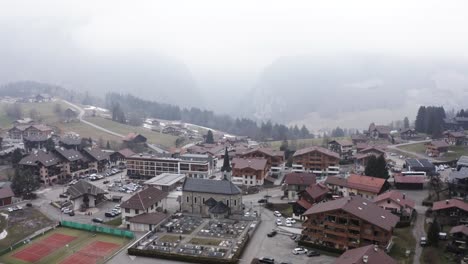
(227, 202)
(195, 200)
(127, 210)
(388, 201)
(203, 199)
(251, 182)
(137, 211)
(235, 202)
(187, 199)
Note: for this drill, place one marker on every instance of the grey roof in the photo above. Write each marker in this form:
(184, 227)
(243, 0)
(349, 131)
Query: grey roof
(210, 202)
(37, 138)
(97, 153)
(210, 186)
(419, 163)
(83, 187)
(71, 140)
(69, 154)
(42, 157)
(219, 208)
(463, 160)
(461, 174)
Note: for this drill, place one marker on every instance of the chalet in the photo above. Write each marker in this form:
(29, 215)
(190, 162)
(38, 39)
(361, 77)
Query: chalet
(314, 193)
(85, 195)
(274, 158)
(407, 133)
(297, 182)
(436, 148)
(343, 147)
(451, 212)
(249, 172)
(455, 138)
(397, 203)
(347, 223)
(409, 182)
(367, 254)
(146, 222)
(459, 237)
(74, 164)
(47, 165)
(70, 114)
(458, 182)
(366, 186)
(211, 198)
(99, 159)
(70, 142)
(337, 185)
(41, 98)
(22, 131)
(35, 142)
(376, 132)
(456, 123)
(6, 194)
(135, 138)
(23, 122)
(120, 157)
(149, 200)
(359, 138)
(318, 160)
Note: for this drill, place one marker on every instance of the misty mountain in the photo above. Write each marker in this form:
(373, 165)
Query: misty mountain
(293, 87)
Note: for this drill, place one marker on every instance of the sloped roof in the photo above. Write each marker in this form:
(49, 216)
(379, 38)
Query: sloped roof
(409, 179)
(342, 142)
(356, 256)
(359, 207)
(382, 129)
(456, 134)
(461, 174)
(439, 144)
(316, 190)
(148, 218)
(132, 136)
(317, 149)
(397, 197)
(365, 183)
(267, 151)
(300, 178)
(36, 138)
(219, 208)
(45, 158)
(459, 229)
(70, 140)
(336, 180)
(255, 163)
(305, 204)
(96, 153)
(6, 191)
(144, 198)
(126, 152)
(69, 154)
(210, 202)
(83, 187)
(210, 186)
(441, 205)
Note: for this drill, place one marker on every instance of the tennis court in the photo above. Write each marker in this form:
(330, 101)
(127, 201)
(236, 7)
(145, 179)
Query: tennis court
(42, 248)
(92, 253)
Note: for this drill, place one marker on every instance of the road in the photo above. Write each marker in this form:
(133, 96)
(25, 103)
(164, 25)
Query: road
(80, 117)
(417, 155)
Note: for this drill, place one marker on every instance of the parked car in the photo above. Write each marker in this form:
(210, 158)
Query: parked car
(105, 182)
(272, 233)
(72, 213)
(293, 237)
(292, 220)
(423, 241)
(10, 209)
(63, 195)
(279, 222)
(247, 214)
(288, 223)
(179, 189)
(97, 220)
(313, 253)
(109, 214)
(262, 200)
(18, 207)
(277, 214)
(29, 204)
(299, 251)
(267, 260)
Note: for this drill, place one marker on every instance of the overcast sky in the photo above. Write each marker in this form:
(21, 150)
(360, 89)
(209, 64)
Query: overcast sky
(248, 35)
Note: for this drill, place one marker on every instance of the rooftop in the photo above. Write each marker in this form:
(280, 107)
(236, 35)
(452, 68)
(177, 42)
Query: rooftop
(317, 149)
(267, 151)
(144, 199)
(459, 229)
(357, 255)
(210, 186)
(42, 157)
(165, 179)
(419, 163)
(316, 190)
(300, 178)
(148, 218)
(336, 180)
(83, 187)
(409, 179)
(359, 207)
(439, 144)
(365, 183)
(397, 197)
(255, 163)
(452, 203)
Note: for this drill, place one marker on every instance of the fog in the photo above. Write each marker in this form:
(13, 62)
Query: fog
(283, 60)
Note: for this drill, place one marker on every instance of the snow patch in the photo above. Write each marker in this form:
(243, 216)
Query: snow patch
(3, 234)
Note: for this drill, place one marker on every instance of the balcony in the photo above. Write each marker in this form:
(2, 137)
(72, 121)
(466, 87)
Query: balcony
(334, 224)
(352, 235)
(335, 241)
(334, 232)
(354, 227)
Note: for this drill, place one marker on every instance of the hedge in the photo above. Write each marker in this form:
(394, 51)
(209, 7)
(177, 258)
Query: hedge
(320, 247)
(179, 257)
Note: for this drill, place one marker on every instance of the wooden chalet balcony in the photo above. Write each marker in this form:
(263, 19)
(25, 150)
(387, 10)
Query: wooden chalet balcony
(353, 227)
(335, 241)
(336, 233)
(351, 235)
(334, 224)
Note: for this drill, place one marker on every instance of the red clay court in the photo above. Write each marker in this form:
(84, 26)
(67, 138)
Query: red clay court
(44, 247)
(92, 253)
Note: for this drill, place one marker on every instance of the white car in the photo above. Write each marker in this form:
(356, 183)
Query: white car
(179, 189)
(288, 223)
(247, 214)
(10, 209)
(299, 251)
(292, 220)
(277, 214)
(18, 207)
(279, 222)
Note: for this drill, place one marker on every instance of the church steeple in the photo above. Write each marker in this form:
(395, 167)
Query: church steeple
(226, 169)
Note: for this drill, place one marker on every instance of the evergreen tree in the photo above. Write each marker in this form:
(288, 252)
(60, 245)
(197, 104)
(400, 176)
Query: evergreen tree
(49, 145)
(284, 145)
(433, 233)
(381, 168)
(16, 157)
(226, 163)
(406, 123)
(209, 137)
(25, 182)
(108, 146)
(420, 120)
(304, 132)
(371, 167)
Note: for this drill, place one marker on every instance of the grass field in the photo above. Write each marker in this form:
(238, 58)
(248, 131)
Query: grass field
(58, 255)
(21, 224)
(45, 111)
(205, 241)
(302, 143)
(153, 137)
(454, 152)
(170, 239)
(404, 240)
(114, 222)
